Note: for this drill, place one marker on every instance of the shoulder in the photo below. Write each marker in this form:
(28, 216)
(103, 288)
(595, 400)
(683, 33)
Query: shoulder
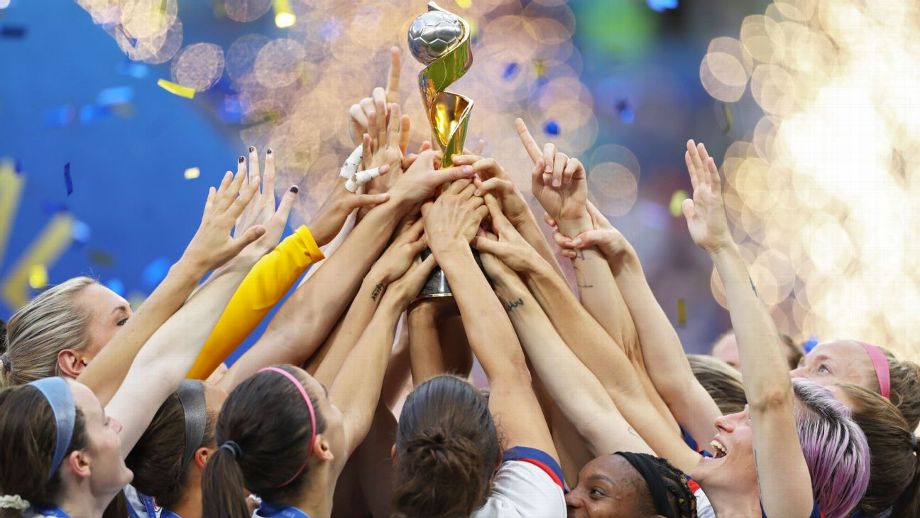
(528, 483)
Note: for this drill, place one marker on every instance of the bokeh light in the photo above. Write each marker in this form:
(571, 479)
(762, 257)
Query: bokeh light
(825, 190)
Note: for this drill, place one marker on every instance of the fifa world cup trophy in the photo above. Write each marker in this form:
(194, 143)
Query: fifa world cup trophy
(440, 40)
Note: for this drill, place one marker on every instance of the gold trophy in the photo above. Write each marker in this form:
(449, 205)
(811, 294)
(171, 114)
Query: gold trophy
(440, 40)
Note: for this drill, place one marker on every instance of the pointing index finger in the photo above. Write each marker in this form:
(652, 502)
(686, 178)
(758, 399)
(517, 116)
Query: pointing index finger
(393, 78)
(533, 149)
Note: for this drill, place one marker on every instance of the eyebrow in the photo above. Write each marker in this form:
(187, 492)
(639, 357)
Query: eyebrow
(120, 307)
(601, 477)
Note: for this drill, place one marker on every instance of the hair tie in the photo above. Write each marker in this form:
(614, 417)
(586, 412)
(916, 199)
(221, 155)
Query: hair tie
(233, 448)
(5, 360)
(14, 502)
(309, 404)
(881, 367)
(191, 398)
(57, 392)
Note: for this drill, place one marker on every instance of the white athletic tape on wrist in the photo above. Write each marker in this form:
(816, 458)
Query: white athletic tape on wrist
(350, 167)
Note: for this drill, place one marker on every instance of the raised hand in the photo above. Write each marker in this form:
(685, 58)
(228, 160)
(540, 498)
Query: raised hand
(376, 104)
(420, 181)
(508, 246)
(705, 212)
(212, 245)
(454, 217)
(602, 235)
(491, 178)
(495, 269)
(558, 182)
(385, 143)
(399, 256)
(331, 216)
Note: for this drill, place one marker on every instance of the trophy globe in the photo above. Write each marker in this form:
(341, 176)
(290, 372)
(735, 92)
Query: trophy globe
(432, 34)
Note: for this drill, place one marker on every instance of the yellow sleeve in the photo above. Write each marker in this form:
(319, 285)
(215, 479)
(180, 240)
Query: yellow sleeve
(262, 288)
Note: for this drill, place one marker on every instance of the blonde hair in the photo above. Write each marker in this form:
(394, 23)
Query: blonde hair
(721, 381)
(48, 324)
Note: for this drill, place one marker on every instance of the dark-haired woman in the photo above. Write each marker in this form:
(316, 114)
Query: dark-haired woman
(285, 438)
(449, 459)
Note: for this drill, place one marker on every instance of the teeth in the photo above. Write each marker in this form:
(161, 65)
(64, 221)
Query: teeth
(718, 448)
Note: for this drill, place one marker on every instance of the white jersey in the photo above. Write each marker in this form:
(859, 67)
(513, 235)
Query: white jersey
(528, 484)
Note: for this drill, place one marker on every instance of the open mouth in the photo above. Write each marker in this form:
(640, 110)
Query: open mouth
(718, 449)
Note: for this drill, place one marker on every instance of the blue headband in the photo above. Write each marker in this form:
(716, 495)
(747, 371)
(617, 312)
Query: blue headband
(57, 392)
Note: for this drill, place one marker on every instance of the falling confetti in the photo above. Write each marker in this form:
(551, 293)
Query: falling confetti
(155, 272)
(625, 112)
(676, 204)
(551, 128)
(511, 71)
(117, 286)
(80, 232)
(681, 313)
(13, 32)
(115, 95)
(68, 180)
(191, 173)
(38, 276)
(173, 88)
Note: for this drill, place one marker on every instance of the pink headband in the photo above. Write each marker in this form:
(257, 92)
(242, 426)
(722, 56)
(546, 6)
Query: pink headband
(880, 364)
(306, 399)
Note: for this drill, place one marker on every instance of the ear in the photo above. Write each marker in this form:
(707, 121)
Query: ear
(201, 456)
(321, 448)
(77, 465)
(70, 362)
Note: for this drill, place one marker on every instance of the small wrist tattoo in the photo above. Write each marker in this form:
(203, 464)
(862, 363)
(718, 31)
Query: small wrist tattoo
(513, 304)
(378, 289)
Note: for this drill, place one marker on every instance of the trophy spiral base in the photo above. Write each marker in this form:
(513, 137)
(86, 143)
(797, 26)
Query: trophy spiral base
(436, 286)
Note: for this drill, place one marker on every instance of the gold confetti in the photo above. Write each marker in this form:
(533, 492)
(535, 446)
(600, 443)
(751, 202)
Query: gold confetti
(38, 276)
(192, 172)
(173, 88)
(677, 201)
(681, 313)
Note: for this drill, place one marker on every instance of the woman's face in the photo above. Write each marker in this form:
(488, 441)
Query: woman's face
(733, 463)
(608, 487)
(842, 361)
(108, 473)
(108, 312)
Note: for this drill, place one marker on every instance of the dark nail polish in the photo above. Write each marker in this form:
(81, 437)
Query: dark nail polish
(252, 149)
(294, 189)
(269, 151)
(242, 159)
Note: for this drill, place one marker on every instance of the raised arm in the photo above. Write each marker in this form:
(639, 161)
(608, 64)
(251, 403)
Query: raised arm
(785, 484)
(357, 385)
(450, 224)
(688, 401)
(576, 391)
(590, 343)
(161, 365)
(389, 268)
(306, 318)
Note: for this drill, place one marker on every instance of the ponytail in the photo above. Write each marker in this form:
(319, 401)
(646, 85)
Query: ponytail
(440, 474)
(222, 486)
(909, 502)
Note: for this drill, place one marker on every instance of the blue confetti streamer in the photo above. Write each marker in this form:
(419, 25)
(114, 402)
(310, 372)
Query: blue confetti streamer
(115, 95)
(91, 113)
(625, 112)
(511, 70)
(80, 232)
(68, 181)
(117, 286)
(552, 128)
(662, 5)
(135, 70)
(13, 32)
(60, 117)
(810, 344)
(155, 272)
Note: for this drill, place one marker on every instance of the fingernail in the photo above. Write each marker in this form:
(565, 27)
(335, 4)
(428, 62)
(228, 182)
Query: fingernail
(478, 192)
(242, 159)
(295, 189)
(557, 183)
(576, 242)
(268, 151)
(252, 149)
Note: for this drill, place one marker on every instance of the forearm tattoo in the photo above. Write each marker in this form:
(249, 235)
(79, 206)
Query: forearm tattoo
(513, 304)
(378, 289)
